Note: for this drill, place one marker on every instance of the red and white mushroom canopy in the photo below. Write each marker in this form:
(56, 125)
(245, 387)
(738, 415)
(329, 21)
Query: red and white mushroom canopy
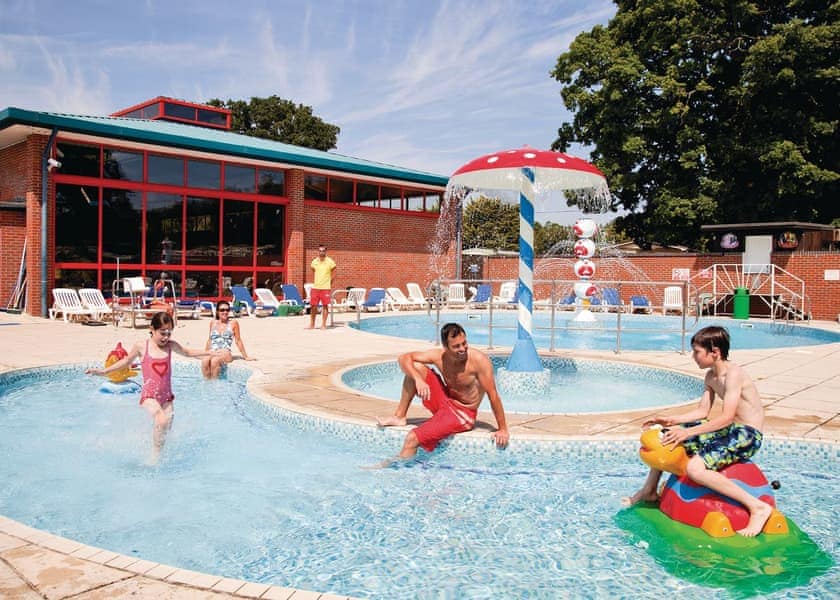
(553, 171)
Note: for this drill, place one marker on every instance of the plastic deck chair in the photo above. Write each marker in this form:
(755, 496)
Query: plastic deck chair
(641, 304)
(482, 297)
(93, 300)
(416, 295)
(399, 300)
(610, 299)
(673, 300)
(377, 299)
(456, 295)
(242, 298)
(67, 302)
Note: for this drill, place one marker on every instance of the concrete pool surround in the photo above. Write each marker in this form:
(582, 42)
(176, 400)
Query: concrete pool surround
(799, 388)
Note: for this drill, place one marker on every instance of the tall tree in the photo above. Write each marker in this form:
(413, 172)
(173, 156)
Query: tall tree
(274, 118)
(490, 223)
(709, 111)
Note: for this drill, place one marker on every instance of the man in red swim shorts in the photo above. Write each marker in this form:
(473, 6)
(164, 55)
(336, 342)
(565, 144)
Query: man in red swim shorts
(452, 394)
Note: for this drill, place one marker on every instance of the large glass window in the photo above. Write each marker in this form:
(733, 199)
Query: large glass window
(212, 117)
(367, 194)
(164, 219)
(341, 190)
(202, 229)
(315, 187)
(240, 179)
(76, 278)
(121, 164)
(76, 220)
(272, 182)
(238, 232)
(151, 111)
(122, 225)
(414, 200)
(201, 283)
(270, 232)
(204, 174)
(166, 170)
(170, 109)
(391, 198)
(78, 160)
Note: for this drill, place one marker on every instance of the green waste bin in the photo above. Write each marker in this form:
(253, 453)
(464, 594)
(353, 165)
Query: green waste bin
(741, 304)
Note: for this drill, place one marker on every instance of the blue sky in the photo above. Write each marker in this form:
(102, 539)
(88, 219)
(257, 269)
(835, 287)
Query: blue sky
(421, 84)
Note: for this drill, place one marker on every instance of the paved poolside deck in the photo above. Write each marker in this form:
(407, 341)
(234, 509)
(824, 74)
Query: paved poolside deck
(295, 368)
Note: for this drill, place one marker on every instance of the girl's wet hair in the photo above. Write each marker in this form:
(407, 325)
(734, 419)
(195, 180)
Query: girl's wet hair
(222, 303)
(448, 331)
(712, 337)
(161, 320)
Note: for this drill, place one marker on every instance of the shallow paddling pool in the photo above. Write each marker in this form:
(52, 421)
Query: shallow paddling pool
(251, 492)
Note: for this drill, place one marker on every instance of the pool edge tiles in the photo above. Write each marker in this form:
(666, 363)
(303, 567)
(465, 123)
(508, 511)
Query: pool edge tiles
(354, 375)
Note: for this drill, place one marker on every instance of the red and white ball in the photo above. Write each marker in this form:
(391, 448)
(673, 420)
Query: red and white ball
(585, 228)
(584, 289)
(584, 248)
(585, 268)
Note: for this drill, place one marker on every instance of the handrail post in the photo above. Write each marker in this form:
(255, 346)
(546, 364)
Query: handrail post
(490, 320)
(552, 322)
(620, 310)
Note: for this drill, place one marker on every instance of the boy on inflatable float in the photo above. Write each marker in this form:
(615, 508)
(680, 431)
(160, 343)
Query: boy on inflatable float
(715, 443)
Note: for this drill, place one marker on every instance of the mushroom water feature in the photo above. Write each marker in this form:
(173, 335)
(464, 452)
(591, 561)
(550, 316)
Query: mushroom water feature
(532, 173)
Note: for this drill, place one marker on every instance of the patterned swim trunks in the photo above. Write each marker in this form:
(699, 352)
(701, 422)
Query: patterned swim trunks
(734, 443)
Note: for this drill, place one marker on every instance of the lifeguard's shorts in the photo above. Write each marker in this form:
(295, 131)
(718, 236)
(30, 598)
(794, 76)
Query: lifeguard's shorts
(316, 296)
(447, 417)
(735, 443)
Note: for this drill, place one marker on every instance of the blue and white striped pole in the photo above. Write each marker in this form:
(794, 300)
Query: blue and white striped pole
(524, 356)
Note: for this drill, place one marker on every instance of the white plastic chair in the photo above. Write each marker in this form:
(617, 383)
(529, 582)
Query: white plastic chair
(67, 302)
(416, 295)
(399, 300)
(93, 299)
(456, 295)
(673, 300)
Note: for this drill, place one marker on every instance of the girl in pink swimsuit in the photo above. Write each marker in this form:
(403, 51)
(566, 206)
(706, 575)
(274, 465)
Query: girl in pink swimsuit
(156, 396)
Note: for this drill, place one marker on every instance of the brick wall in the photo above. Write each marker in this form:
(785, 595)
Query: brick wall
(372, 248)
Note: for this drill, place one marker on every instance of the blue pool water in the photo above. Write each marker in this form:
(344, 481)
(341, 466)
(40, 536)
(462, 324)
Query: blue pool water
(250, 492)
(639, 332)
(576, 386)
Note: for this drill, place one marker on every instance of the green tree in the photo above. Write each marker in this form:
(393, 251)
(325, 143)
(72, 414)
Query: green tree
(274, 118)
(551, 238)
(714, 111)
(490, 223)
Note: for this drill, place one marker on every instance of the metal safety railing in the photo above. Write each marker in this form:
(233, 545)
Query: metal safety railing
(559, 300)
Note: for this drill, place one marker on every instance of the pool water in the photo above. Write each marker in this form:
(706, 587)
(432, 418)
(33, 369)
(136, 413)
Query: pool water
(576, 386)
(639, 332)
(250, 492)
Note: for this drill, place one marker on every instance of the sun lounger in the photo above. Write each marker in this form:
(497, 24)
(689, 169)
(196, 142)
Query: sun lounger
(640, 304)
(67, 303)
(482, 297)
(242, 299)
(400, 301)
(377, 299)
(416, 295)
(93, 300)
(456, 295)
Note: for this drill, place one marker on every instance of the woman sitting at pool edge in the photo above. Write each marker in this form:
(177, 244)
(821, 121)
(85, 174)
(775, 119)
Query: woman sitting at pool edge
(223, 332)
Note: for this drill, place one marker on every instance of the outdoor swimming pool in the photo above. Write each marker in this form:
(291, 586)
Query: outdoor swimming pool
(246, 491)
(576, 386)
(639, 332)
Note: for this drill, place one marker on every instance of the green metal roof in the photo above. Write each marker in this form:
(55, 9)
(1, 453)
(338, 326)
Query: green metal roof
(192, 137)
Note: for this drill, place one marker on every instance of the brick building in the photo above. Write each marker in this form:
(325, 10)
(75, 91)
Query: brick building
(165, 186)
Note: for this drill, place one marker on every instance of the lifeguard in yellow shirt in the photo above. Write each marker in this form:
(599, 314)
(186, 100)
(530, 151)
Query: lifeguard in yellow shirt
(323, 269)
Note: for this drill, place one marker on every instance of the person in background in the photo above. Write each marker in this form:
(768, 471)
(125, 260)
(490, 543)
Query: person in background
(223, 333)
(323, 270)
